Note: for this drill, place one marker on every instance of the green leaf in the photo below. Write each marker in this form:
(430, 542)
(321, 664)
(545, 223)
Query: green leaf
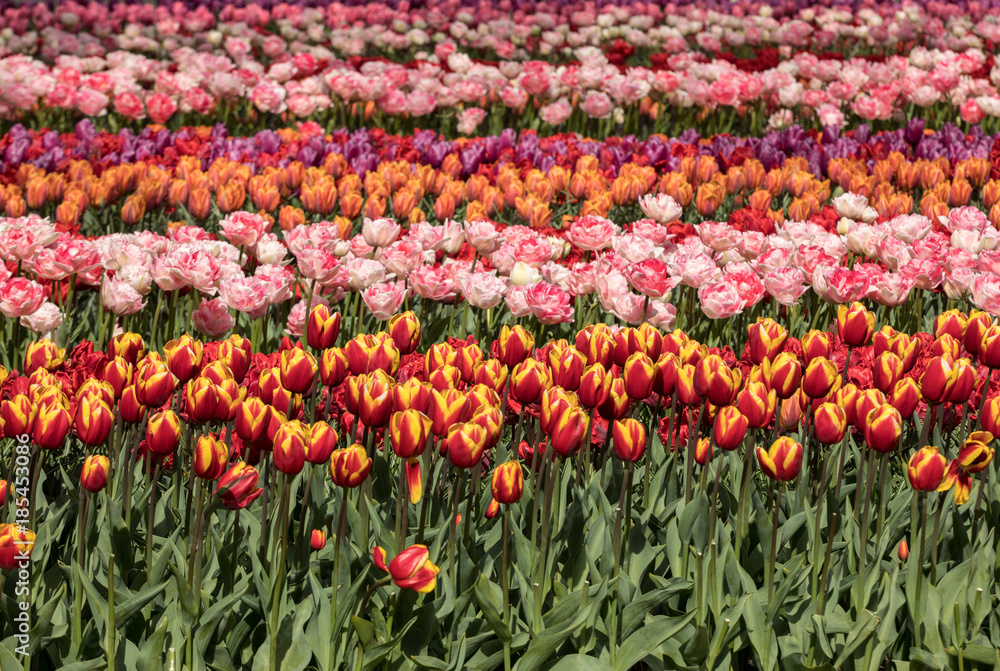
(863, 628)
(432, 663)
(581, 663)
(549, 640)
(493, 617)
(648, 638)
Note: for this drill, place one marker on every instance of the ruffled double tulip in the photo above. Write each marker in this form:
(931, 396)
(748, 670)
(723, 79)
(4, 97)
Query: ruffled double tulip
(411, 568)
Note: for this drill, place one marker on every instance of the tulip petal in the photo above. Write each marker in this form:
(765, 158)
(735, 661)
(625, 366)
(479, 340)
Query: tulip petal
(378, 556)
(414, 480)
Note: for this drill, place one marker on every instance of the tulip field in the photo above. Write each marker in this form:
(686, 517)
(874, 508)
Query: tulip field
(561, 335)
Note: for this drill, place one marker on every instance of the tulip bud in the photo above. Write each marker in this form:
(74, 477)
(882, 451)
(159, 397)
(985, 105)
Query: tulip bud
(128, 346)
(628, 439)
(251, 419)
(210, 457)
(17, 415)
(349, 466)
(730, 428)
(201, 400)
(93, 421)
(791, 412)
(829, 423)
(52, 424)
(94, 475)
(321, 442)
(568, 431)
(903, 550)
(289, 445)
(129, 408)
(491, 419)
(703, 451)
(465, 444)
(376, 400)
(409, 431)
(507, 484)
(318, 540)
(757, 404)
(117, 372)
(467, 359)
(447, 409)
(946, 346)
(298, 370)
(766, 339)
(514, 345)
(163, 432)
(883, 427)
(154, 382)
(383, 356)
(528, 380)
(237, 488)
(404, 329)
(783, 374)
(887, 370)
(493, 374)
(567, 367)
(855, 324)
(965, 381)
(952, 322)
(596, 343)
(236, 351)
(819, 377)
(183, 357)
(782, 461)
(815, 344)
(617, 403)
(322, 328)
(714, 380)
(975, 329)
(926, 469)
(595, 386)
(333, 367)
(639, 375)
(42, 354)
